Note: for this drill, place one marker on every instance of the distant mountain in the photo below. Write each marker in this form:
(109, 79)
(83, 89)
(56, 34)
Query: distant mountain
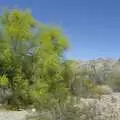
(100, 63)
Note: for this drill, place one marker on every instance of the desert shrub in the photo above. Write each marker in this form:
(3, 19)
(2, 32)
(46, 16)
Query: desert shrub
(84, 88)
(114, 83)
(68, 111)
(20, 96)
(103, 89)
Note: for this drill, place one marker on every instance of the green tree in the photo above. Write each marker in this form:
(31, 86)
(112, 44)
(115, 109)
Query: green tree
(48, 65)
(34, 59)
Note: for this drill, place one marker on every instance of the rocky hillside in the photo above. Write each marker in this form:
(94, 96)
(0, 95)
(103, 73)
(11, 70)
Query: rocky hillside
(101, 71)
(100, 64)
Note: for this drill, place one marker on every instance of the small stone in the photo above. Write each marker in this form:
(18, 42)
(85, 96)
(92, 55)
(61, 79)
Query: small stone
(33, 110)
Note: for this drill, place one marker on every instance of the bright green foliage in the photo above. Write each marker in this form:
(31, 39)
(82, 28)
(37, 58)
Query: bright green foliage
(3, 81)
(48, 67)
(18, 24)
(20, 88)
(32, 58)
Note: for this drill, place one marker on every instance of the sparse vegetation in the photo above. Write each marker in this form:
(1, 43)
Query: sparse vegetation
(34, 71)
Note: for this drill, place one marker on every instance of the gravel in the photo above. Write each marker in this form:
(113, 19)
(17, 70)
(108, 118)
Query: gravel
(13, 115)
